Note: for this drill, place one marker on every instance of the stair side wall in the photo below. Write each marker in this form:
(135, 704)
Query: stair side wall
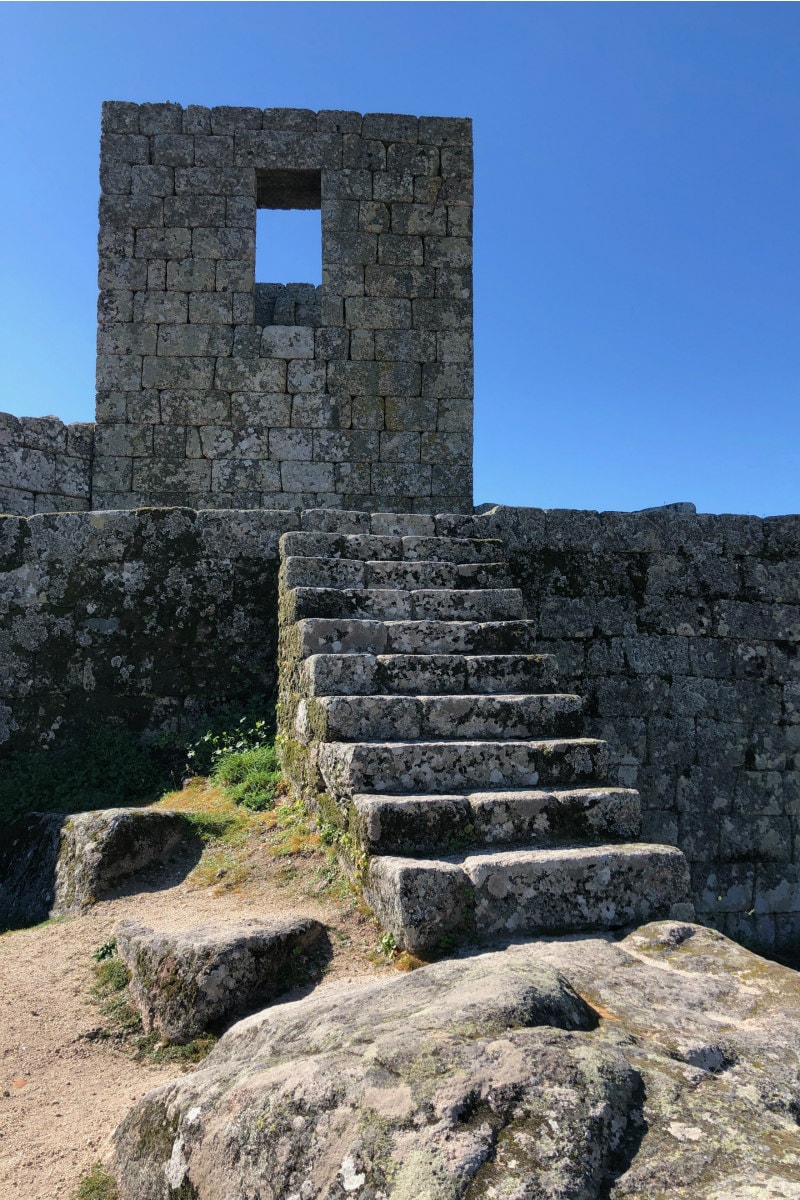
(682, 633)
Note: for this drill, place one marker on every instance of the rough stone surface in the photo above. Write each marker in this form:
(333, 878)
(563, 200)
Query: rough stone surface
(427, 903)
(185, 983)
(575, 887)
(446, 766)
(146, 618)
(412, 779)
(665, 1066)
(681, 632)
(218, 390)
(45, 465)
(52, 865)
(405, 825)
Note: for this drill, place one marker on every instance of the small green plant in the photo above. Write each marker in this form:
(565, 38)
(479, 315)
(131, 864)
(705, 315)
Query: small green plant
(106, 949)
(228, 734)
(387, 944)
(251, 775)
(97, 1185)
(111, 976)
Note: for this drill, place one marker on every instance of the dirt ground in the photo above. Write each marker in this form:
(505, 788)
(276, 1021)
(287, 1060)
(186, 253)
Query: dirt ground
(62, 1092)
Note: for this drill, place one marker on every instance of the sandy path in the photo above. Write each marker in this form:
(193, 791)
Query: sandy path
(61, 1093)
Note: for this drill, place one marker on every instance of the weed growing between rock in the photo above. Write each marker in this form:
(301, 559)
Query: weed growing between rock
(97, 1185)
(123, 1024)
(251, 777)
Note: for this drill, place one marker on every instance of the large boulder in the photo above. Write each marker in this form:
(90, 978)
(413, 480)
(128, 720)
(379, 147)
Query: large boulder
(51, 864)
(185, 983)
(577, 1069)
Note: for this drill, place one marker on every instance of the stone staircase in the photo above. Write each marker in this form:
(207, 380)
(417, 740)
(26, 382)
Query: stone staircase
(415, 711)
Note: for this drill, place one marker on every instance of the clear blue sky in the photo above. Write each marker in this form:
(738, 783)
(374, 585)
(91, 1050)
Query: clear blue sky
(637, 244)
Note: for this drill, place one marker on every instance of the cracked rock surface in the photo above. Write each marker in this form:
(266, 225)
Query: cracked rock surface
(663, 1066)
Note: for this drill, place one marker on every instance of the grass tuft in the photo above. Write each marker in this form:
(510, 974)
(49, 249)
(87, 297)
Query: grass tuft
(251, 777)
(97, 1185)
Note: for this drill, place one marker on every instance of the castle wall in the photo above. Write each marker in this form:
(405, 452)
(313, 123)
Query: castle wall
(219, 393)
(681, 632)
(45, 466)
(149, 618)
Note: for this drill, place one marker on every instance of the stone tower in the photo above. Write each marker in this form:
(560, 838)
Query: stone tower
(214, 390)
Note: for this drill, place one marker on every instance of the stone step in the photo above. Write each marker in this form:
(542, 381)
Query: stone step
(405, 524)
(425, 824)
(424, 524)
(456, 766)
(390, 573)
(372, 547)
(338, 520)
(427, 674)
(429, 904)
(422, 718)
(352, 635)
(441, 604)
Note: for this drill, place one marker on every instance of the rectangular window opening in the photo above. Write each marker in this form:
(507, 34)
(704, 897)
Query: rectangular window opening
(288, 228)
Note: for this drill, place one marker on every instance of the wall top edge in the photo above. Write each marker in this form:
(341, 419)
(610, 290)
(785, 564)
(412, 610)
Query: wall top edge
(10, 420)
(497, 512)
(667, 512)
(173, 106)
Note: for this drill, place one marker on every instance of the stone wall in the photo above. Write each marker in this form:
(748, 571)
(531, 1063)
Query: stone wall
(45, 466)
(682, 633)
(150, 618)
(218, 392)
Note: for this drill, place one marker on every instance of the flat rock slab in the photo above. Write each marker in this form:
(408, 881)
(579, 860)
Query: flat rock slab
(430, 904)
(185, 983)
(664, 1066)
(52, 864)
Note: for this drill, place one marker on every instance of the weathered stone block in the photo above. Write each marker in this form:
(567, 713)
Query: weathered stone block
(288, 341)
(378, 313)
(194, 340)
(307, 476)
(129, 338)
(124, 148)
(172, 150)
(251, 375)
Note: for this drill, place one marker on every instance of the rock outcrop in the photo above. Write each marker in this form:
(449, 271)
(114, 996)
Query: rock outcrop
(185, 983)
(666, 1065)
(52, 865)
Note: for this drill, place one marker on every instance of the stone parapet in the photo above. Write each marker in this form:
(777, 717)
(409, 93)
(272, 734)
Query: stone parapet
(45, 465)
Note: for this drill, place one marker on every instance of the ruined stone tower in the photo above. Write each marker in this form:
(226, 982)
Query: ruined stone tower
(218, 391)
